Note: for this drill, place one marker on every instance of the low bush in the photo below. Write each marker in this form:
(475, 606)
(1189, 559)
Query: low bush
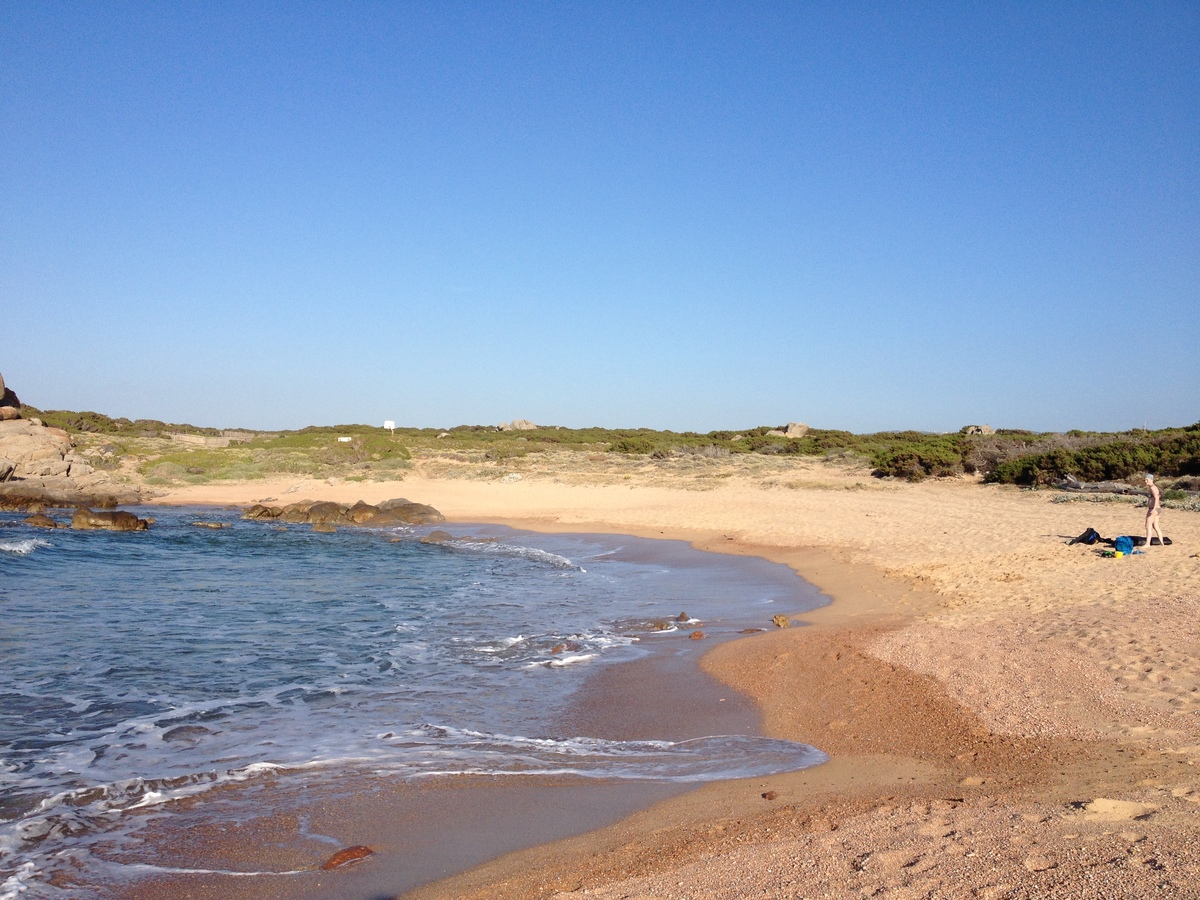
(1171, 452)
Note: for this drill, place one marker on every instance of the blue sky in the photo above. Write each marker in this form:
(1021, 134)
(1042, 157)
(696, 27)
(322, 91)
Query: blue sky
(675, 215)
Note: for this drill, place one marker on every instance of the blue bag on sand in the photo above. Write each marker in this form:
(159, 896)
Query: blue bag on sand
(1123, 544)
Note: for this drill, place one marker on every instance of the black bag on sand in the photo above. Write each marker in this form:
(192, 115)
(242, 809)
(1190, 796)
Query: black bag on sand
(1088, 537)
(1141, 541)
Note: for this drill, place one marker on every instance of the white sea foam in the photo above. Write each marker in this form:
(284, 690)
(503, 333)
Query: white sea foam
(571, 660)
(533, 554)
(23, 548)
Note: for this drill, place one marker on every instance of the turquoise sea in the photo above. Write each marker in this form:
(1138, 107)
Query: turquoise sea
(140, 669)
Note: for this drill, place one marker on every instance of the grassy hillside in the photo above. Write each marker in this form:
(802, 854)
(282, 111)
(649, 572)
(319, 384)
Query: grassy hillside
(1008, 456)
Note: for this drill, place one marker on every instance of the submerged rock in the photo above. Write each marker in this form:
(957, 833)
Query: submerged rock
(41, 520)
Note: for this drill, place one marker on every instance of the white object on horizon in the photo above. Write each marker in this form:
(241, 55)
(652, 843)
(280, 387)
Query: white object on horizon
(390, 426)
(344, 440)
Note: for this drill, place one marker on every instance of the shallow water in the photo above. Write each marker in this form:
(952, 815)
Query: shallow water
(142, 668)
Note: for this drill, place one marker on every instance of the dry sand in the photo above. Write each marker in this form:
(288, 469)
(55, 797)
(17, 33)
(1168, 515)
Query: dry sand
(1007, 716)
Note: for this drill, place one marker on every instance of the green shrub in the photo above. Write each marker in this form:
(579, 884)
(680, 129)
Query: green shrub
(1171, 452)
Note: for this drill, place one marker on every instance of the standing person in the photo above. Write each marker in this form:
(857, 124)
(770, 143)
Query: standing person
(1152, 512)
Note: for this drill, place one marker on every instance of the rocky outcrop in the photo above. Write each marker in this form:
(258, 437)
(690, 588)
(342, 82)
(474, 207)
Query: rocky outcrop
(518, 425)
(325, 512)
(86, 519)
(35, 458)
(39, 466)
(10, 406)
(978, 429)
(41, 520)
(795, 431)
(35, 449)
(27, 496)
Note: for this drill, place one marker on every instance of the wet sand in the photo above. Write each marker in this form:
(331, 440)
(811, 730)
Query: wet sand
(1008, 716)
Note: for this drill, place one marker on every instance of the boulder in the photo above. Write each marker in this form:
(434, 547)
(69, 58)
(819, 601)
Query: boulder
(85, 519)
(324, 527)
(34, 449)
(775, 432)
(406, 514)
(518, 425)
(394, 502)
(297, 512)
(978, 429)
(326, 512)
(780, 621)
(388, 513)
(41, 520)
(361, 512)
(10, 406)
(39, 468)
(7, 467)
(796, 430)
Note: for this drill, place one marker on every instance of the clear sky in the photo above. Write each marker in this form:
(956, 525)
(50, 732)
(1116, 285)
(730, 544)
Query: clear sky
(676, 215)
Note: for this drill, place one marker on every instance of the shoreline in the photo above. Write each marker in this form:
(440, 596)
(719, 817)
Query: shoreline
(467, 821)
(1044, 699)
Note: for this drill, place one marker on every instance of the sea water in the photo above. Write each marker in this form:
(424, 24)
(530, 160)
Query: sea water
(138, 669)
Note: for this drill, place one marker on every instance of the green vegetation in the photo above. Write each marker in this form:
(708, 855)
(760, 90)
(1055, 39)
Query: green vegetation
(1008, 456)
(98, 423)
(1170, 452)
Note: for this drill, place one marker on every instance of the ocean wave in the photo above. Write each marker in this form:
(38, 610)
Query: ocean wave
(532, 554)
(70, 817)
(537, 650)
(23, 548)
(462, 751)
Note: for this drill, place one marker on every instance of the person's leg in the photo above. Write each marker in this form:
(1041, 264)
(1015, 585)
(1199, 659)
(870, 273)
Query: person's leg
(1149, 527)
(1158, 531)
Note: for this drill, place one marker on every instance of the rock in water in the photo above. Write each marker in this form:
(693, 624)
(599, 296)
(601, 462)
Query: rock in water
(781, 621)
(41, 520)
(346, 857)
(85, 519)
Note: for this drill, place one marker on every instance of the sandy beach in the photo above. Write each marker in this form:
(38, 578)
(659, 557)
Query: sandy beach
(1006, 715)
